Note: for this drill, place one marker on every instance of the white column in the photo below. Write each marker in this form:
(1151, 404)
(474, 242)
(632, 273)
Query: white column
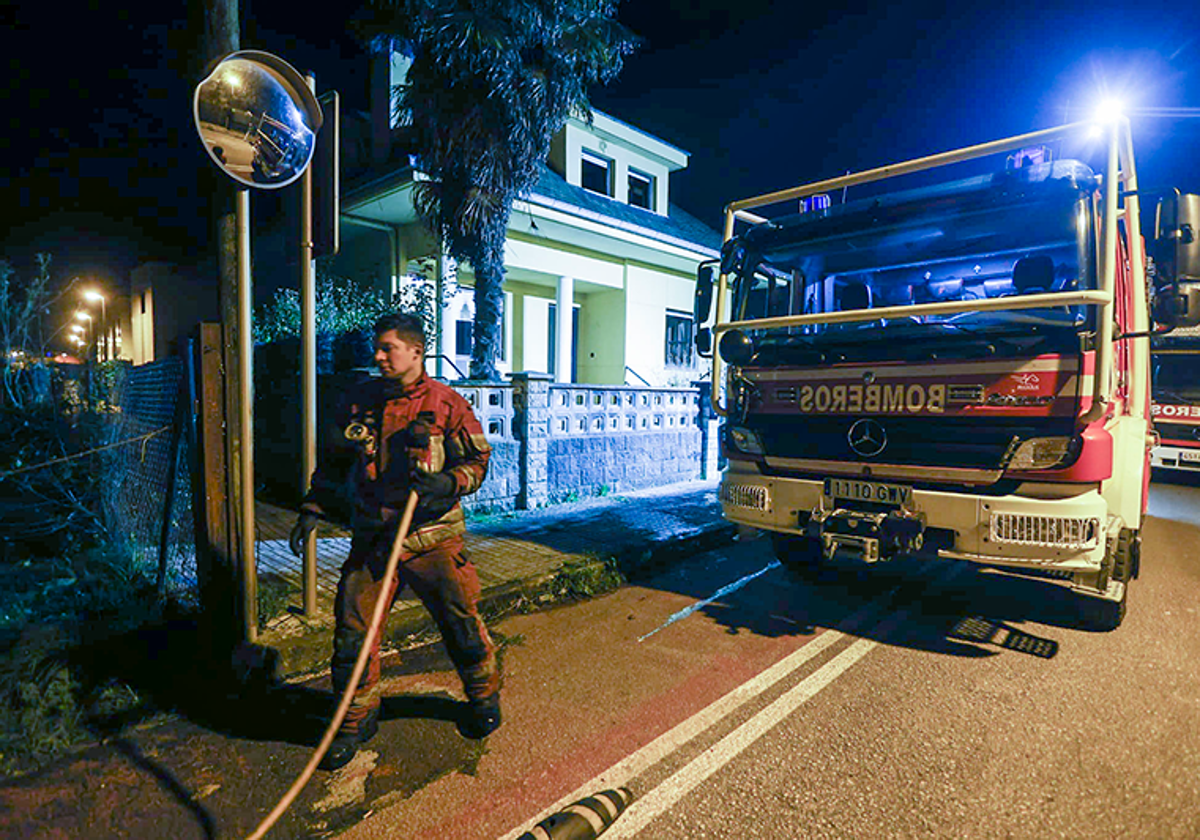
(565, 307)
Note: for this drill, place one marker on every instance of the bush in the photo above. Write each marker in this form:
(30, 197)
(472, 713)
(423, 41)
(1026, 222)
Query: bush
(346, 310)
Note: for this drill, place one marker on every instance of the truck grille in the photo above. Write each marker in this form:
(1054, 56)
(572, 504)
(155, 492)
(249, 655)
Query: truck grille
(960, 442)
(752, 496)
(1046, 531)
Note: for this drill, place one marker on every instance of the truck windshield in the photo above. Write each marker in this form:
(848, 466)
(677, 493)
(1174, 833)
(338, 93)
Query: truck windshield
(973, 246)
(1176, 377)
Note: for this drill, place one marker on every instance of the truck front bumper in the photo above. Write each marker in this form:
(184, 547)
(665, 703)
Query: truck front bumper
(1170, 457)
(1045, 529)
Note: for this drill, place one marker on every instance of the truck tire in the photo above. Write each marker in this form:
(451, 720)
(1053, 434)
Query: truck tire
(1128, 555)
(1104, 613)
(796, 553)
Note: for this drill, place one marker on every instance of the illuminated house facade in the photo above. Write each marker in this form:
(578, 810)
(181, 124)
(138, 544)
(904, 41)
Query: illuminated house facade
(597, 236)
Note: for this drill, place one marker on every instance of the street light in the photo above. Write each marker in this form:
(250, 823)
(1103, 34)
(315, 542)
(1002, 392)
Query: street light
(80, 315)
(93, 296)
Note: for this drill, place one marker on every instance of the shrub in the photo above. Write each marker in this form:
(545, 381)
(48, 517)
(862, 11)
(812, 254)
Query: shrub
(346, 306)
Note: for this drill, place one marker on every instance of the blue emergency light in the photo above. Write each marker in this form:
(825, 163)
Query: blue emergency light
(820, 201)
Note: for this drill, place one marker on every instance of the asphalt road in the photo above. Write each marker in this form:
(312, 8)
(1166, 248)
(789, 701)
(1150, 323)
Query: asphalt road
(734, 700)
(914, 700)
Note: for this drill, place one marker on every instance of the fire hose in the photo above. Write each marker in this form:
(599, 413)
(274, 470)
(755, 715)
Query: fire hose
(381, 607)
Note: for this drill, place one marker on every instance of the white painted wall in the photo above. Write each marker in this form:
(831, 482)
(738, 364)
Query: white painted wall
(649, 294)
(602, 338)
(142, 322)
(577, 139)
(558, 261)
(536, 332)
(461, 305)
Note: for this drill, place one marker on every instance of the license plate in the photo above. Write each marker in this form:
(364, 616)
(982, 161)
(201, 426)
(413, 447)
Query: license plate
(866, 491)
(1190, 455)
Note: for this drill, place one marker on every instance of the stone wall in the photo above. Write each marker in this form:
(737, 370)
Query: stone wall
(549, 442)
(493, 405)
(614, 438)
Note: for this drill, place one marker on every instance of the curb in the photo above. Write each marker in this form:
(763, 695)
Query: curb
(582, 576)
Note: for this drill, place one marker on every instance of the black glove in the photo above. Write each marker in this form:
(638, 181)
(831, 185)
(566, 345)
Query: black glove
(433, 487)
(304, 526)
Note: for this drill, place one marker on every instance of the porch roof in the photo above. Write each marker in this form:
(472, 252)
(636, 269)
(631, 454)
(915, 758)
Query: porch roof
(387, 199)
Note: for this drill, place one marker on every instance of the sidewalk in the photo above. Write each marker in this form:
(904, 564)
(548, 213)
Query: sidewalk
(524, 557)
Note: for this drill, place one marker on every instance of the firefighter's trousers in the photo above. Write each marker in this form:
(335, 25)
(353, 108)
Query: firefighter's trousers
(447, 584)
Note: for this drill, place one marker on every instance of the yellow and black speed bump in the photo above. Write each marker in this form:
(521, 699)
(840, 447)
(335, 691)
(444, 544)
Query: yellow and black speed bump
(587, 819)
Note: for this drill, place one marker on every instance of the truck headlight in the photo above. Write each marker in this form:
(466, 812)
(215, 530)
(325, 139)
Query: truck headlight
(746, 440)
(1040, 453)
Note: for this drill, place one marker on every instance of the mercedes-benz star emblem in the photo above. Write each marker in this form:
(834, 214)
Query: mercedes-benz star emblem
(867, 438)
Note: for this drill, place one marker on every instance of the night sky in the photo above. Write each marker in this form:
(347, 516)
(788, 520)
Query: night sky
(102, 166)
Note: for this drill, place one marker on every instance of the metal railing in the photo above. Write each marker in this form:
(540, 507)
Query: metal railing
(1119, 168)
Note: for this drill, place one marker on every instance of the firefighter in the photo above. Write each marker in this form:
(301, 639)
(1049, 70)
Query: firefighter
(399, 432)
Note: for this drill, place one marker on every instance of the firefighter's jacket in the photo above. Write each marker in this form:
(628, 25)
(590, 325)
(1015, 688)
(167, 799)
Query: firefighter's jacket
(364, 470)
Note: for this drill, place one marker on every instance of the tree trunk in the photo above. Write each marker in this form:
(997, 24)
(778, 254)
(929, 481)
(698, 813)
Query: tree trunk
(488, 262)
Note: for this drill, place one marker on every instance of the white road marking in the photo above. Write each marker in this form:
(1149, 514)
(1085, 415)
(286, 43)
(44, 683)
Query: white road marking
(642, 811)
(661, 798)
(665, 744)
(724, 590)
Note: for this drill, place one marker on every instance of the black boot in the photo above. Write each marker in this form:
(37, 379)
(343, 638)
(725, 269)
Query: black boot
(345, 744)
(482, 717)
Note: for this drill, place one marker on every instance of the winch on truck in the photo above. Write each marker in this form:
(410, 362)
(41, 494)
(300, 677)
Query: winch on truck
(959, 370)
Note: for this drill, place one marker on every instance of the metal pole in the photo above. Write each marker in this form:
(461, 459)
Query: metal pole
(1139, 350)
(714, 395)
(246, 412)
(916, 165)
(439, 314)
(1108, 271)
(308, 372)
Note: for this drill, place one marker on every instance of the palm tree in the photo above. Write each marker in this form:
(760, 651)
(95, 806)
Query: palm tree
(491, 82)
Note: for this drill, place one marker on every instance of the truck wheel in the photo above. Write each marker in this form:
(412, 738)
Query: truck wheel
(1105, 612)
(1128, 555)
(797, 554)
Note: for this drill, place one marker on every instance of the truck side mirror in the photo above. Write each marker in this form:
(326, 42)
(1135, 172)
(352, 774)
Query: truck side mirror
(704, 342)
(733, 254)
(1177, 260)
(702, 302)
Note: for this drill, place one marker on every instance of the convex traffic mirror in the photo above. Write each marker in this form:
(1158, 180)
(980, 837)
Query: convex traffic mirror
(257, 118)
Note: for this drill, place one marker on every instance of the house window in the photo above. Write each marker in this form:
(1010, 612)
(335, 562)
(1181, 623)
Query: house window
(463, 338)
(595, 173)
(641, 190)
(680, 346)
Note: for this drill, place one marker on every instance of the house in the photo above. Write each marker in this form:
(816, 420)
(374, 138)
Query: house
(597, 237)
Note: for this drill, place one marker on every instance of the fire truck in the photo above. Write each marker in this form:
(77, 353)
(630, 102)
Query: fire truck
(1175, 391)
(958, 369)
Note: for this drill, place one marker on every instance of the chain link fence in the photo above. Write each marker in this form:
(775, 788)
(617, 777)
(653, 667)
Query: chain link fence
(147, 497)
